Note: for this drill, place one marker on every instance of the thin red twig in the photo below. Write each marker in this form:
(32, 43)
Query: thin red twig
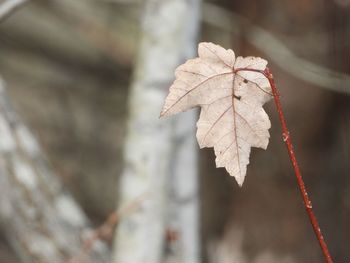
(287, 140)
(105, 231)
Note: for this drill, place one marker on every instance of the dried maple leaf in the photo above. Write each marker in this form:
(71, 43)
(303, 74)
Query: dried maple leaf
(232, 119)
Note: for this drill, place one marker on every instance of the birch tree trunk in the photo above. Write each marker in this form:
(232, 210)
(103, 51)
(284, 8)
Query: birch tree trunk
(183, 209)
(160, 156)
(40, 219)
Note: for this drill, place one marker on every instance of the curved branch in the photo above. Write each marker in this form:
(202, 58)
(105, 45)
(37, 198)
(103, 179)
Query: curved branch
(277, 51)
(8, 7)
(41, 221)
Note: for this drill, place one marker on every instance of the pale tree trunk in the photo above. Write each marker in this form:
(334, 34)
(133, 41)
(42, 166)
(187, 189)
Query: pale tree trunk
(183, 207)
(160, 156)
(39, 218)
(183, 210)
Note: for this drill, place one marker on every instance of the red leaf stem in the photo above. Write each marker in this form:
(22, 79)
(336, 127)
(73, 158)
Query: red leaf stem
(287, 140)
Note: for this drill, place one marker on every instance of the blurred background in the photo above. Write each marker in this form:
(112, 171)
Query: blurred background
(82, 85)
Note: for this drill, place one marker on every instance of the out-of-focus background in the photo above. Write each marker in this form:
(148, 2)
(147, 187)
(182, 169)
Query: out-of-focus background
(82, 84)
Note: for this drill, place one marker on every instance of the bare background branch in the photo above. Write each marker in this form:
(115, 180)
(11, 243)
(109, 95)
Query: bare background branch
(42, 222)
(7, 7)
(276, 51)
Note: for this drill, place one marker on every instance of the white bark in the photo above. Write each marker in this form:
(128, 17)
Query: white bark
(183, 208)
(168, 38)
(40, 219)
(8, 7)
(184, 185)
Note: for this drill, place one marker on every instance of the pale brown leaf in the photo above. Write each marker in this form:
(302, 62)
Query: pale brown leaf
(232, 119)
